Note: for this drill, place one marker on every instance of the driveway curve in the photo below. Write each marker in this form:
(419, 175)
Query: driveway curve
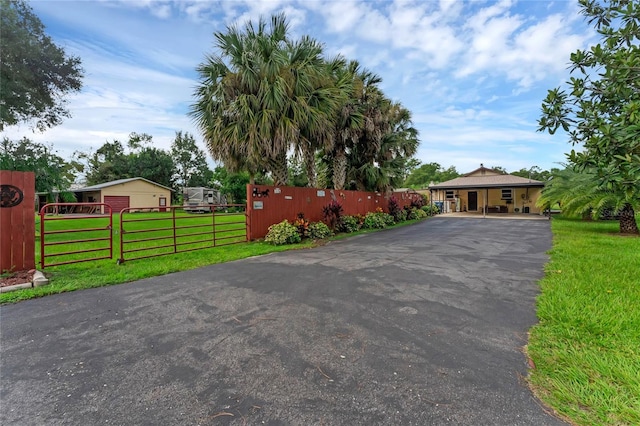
(419, 325)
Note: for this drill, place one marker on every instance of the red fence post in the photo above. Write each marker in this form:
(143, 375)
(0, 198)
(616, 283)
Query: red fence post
(42, 234)
(249, 212)
(17, 220)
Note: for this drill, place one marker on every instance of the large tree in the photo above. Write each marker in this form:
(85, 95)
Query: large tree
(373, 137)
(378, 160)
(52, 172)
(429, 173)
(112, 162)
(535, 173)
(190, 162)
(35, 73)
(600, 110)
(153, 164)
(261, 95)
(107, 163)
(348, 121)
(326, 151)
(232, 185)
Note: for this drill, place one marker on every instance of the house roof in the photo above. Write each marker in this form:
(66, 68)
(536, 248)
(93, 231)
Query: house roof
(100, 186)
(482, 170)
(472, 180)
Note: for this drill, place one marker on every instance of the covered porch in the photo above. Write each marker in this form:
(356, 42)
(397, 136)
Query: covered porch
(487, 192)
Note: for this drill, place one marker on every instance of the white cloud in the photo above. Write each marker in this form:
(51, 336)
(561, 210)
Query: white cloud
(403, 25)
(340, 16)
(525, 52)
(472, 73)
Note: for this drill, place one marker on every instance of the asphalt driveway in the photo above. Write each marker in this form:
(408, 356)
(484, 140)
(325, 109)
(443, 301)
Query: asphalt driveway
(419, 325)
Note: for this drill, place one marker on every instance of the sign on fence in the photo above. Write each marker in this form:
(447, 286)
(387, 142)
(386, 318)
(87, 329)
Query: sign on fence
(17, 221)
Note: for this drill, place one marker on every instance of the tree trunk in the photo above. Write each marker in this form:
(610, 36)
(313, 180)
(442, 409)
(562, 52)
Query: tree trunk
(278, 168)
(628, 223)
(339, 170)
(310, 166)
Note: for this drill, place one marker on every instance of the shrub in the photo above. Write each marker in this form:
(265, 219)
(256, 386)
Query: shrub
(402, 216)
(373, 221)
(431, 209)
(332, 213)
(388, 219)
(418, 201)
(318, 231)
(415, 214)
(303, 225)
(283, 233)
(377, 220)
(350, 224)
(394, 209)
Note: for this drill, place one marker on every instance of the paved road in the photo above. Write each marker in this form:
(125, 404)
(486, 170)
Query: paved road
(420, 325)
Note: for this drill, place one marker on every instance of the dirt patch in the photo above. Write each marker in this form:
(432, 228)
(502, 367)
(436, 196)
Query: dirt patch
(19, 277)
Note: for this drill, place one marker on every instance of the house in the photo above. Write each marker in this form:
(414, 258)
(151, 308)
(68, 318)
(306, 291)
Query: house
(487, 191)
(123, 193)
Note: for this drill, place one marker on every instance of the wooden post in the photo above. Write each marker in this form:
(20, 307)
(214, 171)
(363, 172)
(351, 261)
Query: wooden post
(485, 202)
(249, 212)
(17, 221)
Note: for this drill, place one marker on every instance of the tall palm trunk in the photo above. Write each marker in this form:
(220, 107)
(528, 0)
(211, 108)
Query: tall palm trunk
(339, 169)
(278, 168)
(310, 167)
(628, 223)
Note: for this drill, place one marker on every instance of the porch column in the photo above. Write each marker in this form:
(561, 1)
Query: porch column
(484, 202)
(431, 199)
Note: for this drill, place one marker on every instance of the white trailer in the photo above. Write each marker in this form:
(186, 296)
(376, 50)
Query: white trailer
(201, 199)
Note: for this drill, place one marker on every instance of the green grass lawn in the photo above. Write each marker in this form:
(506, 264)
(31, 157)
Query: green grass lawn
(586, 348)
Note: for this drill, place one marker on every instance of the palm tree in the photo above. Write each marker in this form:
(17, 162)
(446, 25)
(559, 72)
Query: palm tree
(582, 194)
(362, 156)
(399, 145)
(315, 100)
(373, 137)
(349, 120)
(263, 95)
(220, 89)
(378, 159)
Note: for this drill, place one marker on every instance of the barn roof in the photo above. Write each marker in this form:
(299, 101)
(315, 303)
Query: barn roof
(100, 186)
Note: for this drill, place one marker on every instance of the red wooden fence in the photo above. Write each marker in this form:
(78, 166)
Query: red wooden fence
(267, 205)
(17, 221)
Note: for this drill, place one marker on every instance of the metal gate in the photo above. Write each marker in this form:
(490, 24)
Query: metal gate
(159, 233)
(75, 232)
(83, 232)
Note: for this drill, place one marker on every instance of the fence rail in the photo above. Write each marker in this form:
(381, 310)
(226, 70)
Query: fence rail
(176, 230)
(58, 240)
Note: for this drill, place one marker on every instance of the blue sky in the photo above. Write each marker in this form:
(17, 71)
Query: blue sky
(473, 74)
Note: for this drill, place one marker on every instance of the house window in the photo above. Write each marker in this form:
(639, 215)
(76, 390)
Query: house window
(449, 195)
(507, 194)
